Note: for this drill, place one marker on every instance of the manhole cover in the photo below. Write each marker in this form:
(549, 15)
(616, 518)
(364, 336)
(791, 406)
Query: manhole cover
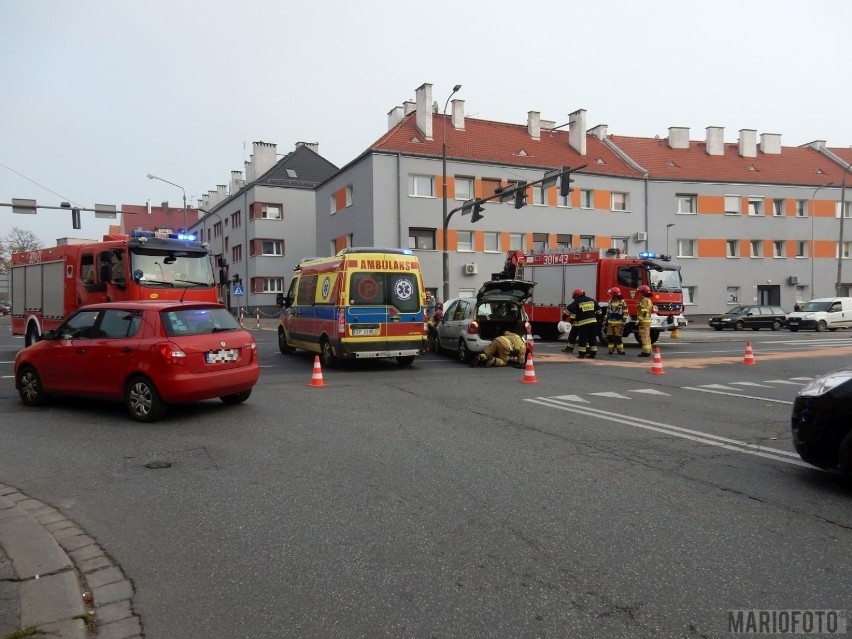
(158, 464)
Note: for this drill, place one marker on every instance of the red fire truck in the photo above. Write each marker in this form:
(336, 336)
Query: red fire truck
(48, 284)
(558, 273)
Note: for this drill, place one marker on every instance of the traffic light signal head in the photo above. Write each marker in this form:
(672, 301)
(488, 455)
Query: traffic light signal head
(521, 196)
(477, 212)
(75, 218)
(565, 185)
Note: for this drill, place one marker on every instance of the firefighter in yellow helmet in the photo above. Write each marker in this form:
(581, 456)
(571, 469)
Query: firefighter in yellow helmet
(501, 350)
(616, 317)
(646, 308)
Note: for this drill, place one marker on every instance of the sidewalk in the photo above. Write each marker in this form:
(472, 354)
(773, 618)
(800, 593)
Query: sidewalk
(56, 579)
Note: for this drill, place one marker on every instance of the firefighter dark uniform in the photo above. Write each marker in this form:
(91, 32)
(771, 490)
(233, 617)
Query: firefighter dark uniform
(501, 349)
(643, 318)
(572, 333)
(585, 311)
(616, 317)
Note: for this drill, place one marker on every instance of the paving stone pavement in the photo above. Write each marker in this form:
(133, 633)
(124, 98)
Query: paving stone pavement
(55, 577)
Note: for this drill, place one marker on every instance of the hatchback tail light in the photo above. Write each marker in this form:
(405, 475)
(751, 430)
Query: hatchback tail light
(252, 354)
(172, 354)
(473, 328)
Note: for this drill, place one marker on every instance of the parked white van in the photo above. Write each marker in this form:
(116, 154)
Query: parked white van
(825, 313)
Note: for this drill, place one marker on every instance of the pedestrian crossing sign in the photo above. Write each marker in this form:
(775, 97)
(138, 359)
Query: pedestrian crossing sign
(238, 290)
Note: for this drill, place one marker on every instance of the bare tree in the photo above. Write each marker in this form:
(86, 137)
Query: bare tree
(17, 240)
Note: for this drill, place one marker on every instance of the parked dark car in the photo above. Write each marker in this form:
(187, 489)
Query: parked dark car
(822, 421)
(753, 317)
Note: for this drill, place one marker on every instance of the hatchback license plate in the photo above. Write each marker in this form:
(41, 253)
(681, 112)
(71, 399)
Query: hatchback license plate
(217, 357)
(365, 331)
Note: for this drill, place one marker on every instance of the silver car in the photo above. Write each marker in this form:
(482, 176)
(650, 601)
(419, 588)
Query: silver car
(470, 323)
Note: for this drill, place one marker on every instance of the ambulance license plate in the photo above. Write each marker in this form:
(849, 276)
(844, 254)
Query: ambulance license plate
(365, 331)
(218, 357)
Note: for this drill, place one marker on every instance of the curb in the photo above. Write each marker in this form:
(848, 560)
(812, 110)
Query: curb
(55, 577)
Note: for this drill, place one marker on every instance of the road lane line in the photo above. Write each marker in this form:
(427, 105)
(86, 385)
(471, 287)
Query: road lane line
(717, 392)
(676, 431)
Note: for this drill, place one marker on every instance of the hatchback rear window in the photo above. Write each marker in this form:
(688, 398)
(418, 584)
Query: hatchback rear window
(198, 321)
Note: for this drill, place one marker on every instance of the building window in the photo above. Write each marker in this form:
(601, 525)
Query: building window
(464, 188)
(801, 248)
(270, 212)
(421, 185)
(272, 247)
(619, 243)
(587, 241)
(490, 186)
(733, 294)
(846, 212)
(686, 248)
(563, 241)
(756, 248)
(539, 195)
(585, 199)
(237, 254)
(778, 248)
(845, 247)
(801, 208)
(539, 241)
(563, 200)
(217, 229)
(733, 248)
(347, 195)
(227, 242)
(755, 206)
(686, 204)
(777, 207)
(236, 220)
(491, 241)
(423, 239)
(516, 242)
(272, 285)
(732, 205)
(465, 240)
(618, 202)
(689, 295)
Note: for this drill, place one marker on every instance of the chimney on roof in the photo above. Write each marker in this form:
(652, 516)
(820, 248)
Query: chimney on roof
(770, 143)
(548, 125)
(313, 146)
(601, 131)
(263, 157)
(221, 192)
(211, 198)
(748, 143)
(409, 107)
(458, 115)
(678, 137)
(577, 131)
(423, 95)
(395, 116)
(236, 181)
(534, 124)
(249, 171)
(817, 145)
(715, 140)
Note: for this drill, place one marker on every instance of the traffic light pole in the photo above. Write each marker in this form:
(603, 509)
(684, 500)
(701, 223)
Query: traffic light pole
(30, 207)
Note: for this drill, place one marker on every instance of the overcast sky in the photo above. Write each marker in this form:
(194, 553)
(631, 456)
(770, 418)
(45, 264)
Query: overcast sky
(96, 94)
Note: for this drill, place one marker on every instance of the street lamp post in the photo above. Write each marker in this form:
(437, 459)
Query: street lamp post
(154, 177)
(446, 220)
(812, 213)
(668, 226)
(837, 284)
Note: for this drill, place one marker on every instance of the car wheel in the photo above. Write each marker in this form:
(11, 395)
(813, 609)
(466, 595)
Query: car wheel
(143, 401)
(464, 354)
(655, 335)
(30, 388)
(739, 326)
(821, 326)
(405, 360)
(283, 344)
(776, 325)
(844, 455)
(327, 354)
(718, 328)
(237, 398)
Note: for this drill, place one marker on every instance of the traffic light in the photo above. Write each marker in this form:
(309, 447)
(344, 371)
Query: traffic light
(565, 184)
(75, 218)
(501, 191)
(521, 195)
(477, 212)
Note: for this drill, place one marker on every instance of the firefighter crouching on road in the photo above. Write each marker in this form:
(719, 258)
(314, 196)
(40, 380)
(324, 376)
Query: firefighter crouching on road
(616, 317)
(646, 307)
(585, 311)
(501, 349)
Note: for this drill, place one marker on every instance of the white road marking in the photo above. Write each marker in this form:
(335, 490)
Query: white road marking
(718, 386)
(716, 392)
(610, 394)
(676, 431)
(649, 391)
(751, 384)
(804, 379)
(572, 398)
(783, 381)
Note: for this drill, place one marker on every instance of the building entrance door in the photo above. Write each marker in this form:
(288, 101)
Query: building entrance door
(769, 294)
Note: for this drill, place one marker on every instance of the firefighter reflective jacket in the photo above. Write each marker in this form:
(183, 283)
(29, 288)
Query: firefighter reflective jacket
(584, 309)
(646, 307)
(616, 312)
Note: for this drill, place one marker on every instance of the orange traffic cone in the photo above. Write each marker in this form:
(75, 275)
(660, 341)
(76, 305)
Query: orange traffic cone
(529, 371)
(657, 366)
(316, 377)
(749, 355)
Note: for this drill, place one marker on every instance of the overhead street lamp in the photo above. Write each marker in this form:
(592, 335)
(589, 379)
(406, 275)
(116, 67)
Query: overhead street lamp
(446, 219)
(154, 177)
(839, 280)
(668, 226)
(812, 212)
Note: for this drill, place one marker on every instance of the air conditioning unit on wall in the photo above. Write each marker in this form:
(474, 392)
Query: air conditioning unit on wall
(794, 280)
(471, 269)
(641, 236)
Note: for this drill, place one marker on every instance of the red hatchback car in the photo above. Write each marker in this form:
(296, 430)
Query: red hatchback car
(147, 354)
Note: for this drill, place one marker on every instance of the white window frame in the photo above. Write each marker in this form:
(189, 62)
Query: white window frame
(464, 241)
(421, 185)
(687, 248)
(686, 204)
(587, 199)
(755, 249)
(277, 247)
(619, 242)
(732, 293)
(564, 241)
(732, 205)
(777, 207)
(618, 202)
(266, 209)
(273, 285)
(563, 201)
(756, 206)
(539, 195)
(689, 293)
(465, 194)
(588, 241)
(491, 241)
(778, 249)
(537, 240)
(417, 233)
(732, 248)
(802, 208)
(847, 249)
(847, 213)
(516, 241)
(802, 248)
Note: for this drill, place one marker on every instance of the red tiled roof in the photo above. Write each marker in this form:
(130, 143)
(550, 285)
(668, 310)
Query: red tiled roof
(135, 216)
(501, 143)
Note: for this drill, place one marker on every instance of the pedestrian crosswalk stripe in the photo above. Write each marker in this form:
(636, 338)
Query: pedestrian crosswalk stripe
(572, 398)
(717, 386)
(751, 384)
(782, 381)
(611, 394)
(649, 391)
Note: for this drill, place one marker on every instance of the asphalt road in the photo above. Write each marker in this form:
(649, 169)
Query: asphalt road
(445, 501)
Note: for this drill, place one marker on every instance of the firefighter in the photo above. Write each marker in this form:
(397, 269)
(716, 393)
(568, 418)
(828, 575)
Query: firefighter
(501, 349)
(616, 317)
(586, 312)
(646, 307)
